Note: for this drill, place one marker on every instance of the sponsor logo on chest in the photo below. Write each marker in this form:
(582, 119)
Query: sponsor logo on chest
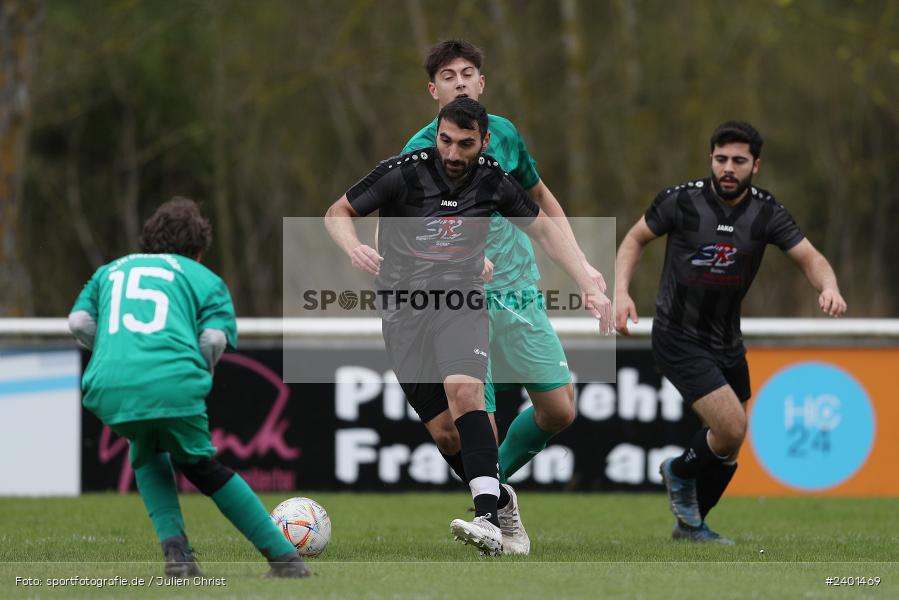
(441, 229)
(715, 254)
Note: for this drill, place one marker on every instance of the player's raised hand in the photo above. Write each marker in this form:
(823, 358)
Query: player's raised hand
(624, 309)
(487, 273)
(595, 276)
(832, 303)
(365, 258)
(601, 308)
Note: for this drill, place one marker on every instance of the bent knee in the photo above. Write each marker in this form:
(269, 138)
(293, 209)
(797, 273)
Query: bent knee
(557, 416)
(469, 394)
(731, 435)
(208, 475)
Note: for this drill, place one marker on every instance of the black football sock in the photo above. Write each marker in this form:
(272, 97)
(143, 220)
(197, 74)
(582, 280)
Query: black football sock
(710, 485)
(504, 498)
(455, 463)
(697, 457)
(480, 456)
(484, 506)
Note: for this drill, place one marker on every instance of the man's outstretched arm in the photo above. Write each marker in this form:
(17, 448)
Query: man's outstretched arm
(550, 237)
(629, 253)
(340, 226)
(821, 275)
(546, 200)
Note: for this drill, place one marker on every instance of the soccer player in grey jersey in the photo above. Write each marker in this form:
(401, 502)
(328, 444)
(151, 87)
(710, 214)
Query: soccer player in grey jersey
(456, 185)
(717, 228)
(526, 349)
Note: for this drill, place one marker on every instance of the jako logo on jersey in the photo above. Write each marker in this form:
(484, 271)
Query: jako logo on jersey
(450, 203)
(715, 255)
(481, 352)
(727, 228)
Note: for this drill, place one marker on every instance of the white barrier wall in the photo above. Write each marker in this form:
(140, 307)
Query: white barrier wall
(40, 411)
(40, 423)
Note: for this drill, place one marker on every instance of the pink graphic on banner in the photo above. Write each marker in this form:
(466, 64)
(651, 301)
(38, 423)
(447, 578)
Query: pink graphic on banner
(109, 450)
(271, 435)
(268, 438)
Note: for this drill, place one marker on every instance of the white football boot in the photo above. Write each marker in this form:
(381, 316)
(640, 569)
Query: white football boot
(515, 538)
(480, 533)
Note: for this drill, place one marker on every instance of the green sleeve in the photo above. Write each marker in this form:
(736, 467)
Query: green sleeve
(525, 172)
(88, 298)
(217, 312)
(425, 138)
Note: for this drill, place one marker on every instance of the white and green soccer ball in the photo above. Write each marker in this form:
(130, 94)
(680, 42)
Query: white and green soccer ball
(305, 524)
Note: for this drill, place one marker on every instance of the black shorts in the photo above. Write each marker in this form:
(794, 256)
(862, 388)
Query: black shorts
(426, 346)
(696, 370)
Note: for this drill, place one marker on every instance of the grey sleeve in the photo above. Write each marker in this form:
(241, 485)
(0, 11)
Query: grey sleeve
(661, 216)
(515, 203)
(378, 188)
(212, 345)
(782, 228)
(83, 327)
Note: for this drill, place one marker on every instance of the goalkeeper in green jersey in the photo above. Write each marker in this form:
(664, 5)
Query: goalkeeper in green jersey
(525, 349)
(157, 323)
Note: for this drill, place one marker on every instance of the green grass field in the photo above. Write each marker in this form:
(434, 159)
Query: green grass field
(399, 546)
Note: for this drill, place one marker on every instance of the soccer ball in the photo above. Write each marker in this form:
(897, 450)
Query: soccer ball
(305, 524)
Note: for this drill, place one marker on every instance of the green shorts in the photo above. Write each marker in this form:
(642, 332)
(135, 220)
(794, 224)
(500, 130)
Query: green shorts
(524, 347)
(186, 439)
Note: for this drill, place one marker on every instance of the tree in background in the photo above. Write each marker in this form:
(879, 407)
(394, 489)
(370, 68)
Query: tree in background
(18, 31)
(270, 109)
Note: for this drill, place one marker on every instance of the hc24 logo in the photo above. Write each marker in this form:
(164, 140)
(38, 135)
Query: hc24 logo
(715, 254)
(812, 425)
(810, 422)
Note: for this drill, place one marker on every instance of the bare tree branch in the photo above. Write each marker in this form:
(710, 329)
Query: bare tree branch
(579, 188)
(18, 38)
(76, 209)
(419, 26)
(224, 227)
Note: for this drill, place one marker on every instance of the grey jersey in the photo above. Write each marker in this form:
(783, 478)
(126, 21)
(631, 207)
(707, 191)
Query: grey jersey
(433, 229)
(712, 254)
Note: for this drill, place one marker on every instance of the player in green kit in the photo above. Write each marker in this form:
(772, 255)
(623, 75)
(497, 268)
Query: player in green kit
(157, 323)
(525, 348)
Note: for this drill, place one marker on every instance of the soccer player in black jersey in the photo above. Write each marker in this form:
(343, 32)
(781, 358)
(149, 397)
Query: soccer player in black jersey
(526, 348)
(717, 228)
(440, 356)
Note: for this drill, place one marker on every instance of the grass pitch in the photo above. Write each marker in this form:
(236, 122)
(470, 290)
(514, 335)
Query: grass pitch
(399, 546)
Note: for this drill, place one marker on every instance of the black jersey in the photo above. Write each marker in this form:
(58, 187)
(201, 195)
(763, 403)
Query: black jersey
(712, 255)
(433, 230)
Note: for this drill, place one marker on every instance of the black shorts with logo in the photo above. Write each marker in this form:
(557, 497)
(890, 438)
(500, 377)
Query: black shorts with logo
(696, 370)
(426, 346)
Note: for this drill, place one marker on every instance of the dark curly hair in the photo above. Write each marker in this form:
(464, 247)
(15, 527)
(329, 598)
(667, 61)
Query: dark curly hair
(177, 227)
(465, 113)
(740, 132)
(443, 53)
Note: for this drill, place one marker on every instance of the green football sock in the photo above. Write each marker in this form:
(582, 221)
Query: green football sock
(156, 484)
(523, 441)
(240, 504)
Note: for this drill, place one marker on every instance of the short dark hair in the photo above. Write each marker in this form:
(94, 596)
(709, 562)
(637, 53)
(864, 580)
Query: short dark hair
(442, 53)
(730, 132)
(466, 113)
(177, 227)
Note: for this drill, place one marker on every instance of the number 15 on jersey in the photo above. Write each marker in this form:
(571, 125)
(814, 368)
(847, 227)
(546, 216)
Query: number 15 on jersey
(133, 291)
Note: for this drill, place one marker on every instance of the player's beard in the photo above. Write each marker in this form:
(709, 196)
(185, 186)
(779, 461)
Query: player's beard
(457, 175)
(742, 184)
